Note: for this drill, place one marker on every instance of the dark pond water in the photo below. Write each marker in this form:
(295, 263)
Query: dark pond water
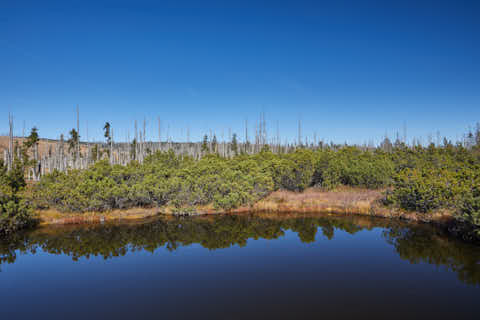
(240, 267)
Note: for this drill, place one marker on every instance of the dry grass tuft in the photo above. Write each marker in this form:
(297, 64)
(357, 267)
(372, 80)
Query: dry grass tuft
(344, 200)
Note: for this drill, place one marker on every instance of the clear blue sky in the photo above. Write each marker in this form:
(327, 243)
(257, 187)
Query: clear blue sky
(351, 70)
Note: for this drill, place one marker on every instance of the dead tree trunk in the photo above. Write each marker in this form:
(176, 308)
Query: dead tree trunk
(78, 133)
(10, 142)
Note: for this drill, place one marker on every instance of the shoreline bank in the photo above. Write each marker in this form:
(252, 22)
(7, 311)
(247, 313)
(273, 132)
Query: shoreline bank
(341, 201)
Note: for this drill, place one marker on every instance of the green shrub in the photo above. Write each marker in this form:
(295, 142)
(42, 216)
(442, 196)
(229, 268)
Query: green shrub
(469, 209)
(417, 178)
(292, 171)
(428, 188)
(15, 212)
(164, 179)
(352, 167)
(469, 198)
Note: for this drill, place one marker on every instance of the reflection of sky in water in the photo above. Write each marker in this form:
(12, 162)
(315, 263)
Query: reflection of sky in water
(351, 275)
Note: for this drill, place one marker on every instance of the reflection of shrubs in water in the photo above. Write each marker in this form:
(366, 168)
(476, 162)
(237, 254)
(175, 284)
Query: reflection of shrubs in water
(219, 232)
(414, 243)
(14, 244)
(433, 247)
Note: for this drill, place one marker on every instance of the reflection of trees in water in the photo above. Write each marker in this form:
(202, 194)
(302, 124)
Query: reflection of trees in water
(432, 246)
(414, 243)
(16, 243)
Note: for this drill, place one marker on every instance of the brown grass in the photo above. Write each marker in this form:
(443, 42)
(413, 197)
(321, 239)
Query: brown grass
(51, 216)
(341, 200)
(43, 145)
(344, 200)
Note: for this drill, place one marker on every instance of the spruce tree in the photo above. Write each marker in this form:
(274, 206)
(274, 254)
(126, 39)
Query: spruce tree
(214, 143)
(73, 140)
(106, 128)
(205, 144)
(133, 149)
(32, 139)
(234, 146)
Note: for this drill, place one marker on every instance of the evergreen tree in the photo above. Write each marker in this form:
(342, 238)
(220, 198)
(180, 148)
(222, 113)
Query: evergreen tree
(32, 139)
(106, 128)
(73, 140)
(386, 145)
(133, 149)
(205, 144)
(234, 145)
(214, 143)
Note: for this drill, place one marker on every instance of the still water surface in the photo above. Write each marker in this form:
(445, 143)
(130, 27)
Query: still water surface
(240, 267)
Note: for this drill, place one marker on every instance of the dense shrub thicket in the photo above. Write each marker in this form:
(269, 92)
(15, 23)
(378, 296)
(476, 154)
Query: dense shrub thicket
(415, 178)
(432, 178)
(163, 179)
(182, 182)
(15, 212)
(353, 167)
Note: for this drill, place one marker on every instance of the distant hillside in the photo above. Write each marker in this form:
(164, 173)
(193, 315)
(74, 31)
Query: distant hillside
(43, 145)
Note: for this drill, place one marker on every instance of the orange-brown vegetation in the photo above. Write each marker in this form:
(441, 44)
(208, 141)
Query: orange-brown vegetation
(340, 200)
(44, 145)
(47, 217)
(343, 200)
